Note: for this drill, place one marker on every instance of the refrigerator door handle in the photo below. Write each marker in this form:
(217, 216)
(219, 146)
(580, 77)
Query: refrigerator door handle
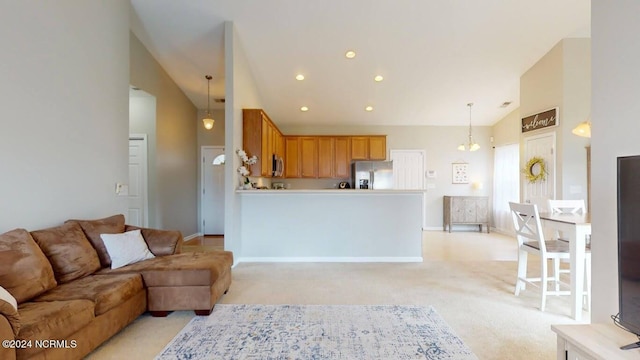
(372, 176)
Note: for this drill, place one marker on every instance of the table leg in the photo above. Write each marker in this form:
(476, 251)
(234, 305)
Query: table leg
(577, 249)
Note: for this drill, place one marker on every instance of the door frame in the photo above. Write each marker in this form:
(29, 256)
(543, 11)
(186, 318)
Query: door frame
(145, 176)
(202, 182)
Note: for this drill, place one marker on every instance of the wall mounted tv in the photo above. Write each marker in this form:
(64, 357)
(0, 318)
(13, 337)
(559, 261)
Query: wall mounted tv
(629, 245)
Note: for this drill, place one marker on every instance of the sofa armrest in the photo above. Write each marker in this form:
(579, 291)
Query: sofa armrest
(11, 315)
(6, 333)
(160, 242)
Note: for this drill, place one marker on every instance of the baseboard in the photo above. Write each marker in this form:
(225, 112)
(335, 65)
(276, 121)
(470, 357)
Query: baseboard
(432, 228)
(193, 236)
(344, 259)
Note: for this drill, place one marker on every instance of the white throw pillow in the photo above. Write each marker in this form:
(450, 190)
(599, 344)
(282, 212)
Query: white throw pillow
(126, 248)
(6, 296)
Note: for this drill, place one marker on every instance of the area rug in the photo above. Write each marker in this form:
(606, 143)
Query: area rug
(317, 332)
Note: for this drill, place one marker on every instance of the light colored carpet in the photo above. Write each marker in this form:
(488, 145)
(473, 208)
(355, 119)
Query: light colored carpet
(467, 277)
(317, 332)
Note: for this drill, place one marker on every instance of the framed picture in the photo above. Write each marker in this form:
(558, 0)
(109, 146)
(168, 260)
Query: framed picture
(459, 173)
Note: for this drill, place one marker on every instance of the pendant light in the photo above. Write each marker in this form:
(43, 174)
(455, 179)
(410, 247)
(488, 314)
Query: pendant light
(208, 120)
(473, 146)
(583, 129)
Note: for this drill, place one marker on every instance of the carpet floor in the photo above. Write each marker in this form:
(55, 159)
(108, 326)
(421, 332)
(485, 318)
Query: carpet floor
(353, 332)
(467, 277)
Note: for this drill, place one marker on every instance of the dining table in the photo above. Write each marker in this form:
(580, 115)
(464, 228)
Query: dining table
(575, 227)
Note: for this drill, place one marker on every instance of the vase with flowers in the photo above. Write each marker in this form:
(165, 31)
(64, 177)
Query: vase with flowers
(243, 169)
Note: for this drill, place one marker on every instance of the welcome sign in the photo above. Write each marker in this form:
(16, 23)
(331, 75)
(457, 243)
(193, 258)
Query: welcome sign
(541, 120)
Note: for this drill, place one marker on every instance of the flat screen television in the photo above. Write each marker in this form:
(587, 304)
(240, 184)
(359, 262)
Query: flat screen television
(629, 246)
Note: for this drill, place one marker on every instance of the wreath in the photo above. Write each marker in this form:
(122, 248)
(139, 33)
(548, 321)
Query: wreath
(530, 170)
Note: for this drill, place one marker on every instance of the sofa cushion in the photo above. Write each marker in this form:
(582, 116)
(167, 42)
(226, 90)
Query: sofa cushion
(9, 308)
(93, 228)
(52, 320)
(106, 291)
(68, 250)
(126, 248)
(186, 269)
(161, 242)
(24, 269)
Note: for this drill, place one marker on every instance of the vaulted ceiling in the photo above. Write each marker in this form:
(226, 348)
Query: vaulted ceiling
(435, 55)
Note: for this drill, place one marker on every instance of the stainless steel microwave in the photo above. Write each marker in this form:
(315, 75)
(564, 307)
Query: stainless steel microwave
(277, 167)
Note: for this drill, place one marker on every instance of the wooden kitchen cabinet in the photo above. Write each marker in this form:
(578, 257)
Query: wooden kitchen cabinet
(292, 157)
(465, 210)
(261, 137)
(308, 157)
(377, 147)
(326, 157)
(369, 147)
(342, 158)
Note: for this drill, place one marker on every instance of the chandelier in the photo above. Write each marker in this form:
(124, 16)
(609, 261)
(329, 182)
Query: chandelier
(471, 146)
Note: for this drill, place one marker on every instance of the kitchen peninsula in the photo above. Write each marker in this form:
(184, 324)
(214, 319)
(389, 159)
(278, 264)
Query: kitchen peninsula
(331, 225)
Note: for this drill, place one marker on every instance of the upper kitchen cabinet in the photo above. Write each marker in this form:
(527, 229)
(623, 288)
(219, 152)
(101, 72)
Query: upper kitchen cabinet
(308, 157)
(334, 157)
(261, 137)
(292, 159)
(369, 147)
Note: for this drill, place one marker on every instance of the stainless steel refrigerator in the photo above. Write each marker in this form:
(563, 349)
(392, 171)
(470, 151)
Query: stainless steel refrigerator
(372, 175)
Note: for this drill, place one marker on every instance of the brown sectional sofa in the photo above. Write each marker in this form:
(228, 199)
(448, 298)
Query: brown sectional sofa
(70, 300)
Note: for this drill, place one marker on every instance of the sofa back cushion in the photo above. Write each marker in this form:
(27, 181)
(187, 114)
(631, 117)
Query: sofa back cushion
(93, 228)
(68, 250)
(25, 271)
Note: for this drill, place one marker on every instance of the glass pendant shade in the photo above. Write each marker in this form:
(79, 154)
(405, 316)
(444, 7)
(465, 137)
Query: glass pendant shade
(583, 129)
(208, 122)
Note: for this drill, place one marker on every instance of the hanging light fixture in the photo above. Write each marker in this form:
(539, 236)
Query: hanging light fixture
(473, 146)
(208, 120)
(583, 129)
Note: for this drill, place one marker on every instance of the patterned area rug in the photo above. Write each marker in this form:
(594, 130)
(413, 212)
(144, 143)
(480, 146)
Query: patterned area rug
(317, 332)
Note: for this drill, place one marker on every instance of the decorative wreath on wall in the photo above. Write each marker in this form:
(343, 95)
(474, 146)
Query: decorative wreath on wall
(535, 170)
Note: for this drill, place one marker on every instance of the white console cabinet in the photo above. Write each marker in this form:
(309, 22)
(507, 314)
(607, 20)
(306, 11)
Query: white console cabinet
(465, 210)
(594, 342)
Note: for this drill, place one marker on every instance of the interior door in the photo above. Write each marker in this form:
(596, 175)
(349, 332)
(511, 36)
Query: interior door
(212, 201)
(137, 213)
(539, 192)
(408, 172)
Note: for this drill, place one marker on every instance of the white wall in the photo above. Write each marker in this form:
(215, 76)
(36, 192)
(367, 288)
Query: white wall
(561, 78)
(507, 130)
(176, 170)
(64, 110)
(243, 94)
(615, 107)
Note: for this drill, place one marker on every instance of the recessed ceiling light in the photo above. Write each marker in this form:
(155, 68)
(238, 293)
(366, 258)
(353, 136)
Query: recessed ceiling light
(350, 54)
(304, 108)
(300, 77)
(369, 108)
(378, 78)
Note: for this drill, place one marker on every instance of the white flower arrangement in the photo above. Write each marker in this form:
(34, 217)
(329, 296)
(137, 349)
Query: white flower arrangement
(246, 161)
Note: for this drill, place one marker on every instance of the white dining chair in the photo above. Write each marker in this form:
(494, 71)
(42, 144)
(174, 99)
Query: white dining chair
(567, 206)
(530, 236)
(571, 207)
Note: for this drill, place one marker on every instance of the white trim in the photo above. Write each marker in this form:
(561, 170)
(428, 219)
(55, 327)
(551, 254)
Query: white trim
(192, 236)
(328, 259)
(433, 228)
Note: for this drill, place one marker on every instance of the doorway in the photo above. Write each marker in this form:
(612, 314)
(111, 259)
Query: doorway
(138, 206)
(212, 192)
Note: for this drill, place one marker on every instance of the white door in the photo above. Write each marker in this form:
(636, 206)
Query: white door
(138, 208)
(212, 201)
(408, 172)
(543, 146)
